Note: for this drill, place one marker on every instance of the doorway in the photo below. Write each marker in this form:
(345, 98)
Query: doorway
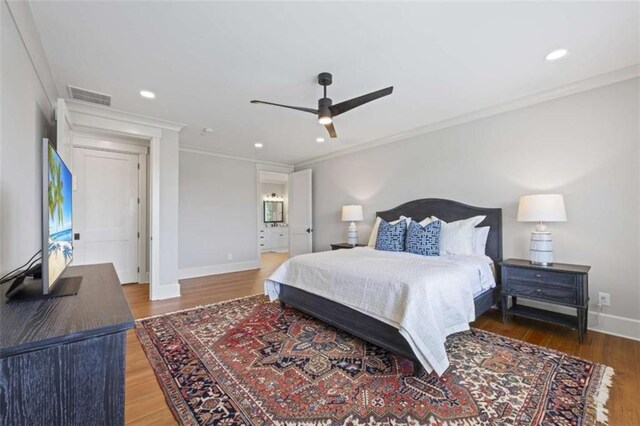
(110, 195)
(273, 221)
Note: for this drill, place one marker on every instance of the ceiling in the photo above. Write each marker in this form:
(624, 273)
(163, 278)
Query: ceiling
(206, 60)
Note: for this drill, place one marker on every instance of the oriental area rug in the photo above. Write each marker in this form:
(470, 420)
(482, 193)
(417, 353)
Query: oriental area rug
(250, 362)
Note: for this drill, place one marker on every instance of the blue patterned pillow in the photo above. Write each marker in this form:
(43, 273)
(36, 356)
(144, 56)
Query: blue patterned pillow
(391, 237)
(424, 240)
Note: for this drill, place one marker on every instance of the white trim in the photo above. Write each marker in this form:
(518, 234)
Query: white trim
(202, 271)
(606, 323)
(166, 291)
(98, 135)
(205, 151)
(154, 229)
(101, 144)
(90, 109)
(143, 215)
(569, 89)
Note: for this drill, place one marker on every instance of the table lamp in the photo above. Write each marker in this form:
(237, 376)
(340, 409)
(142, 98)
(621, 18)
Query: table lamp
(541, 208)
(352, 214)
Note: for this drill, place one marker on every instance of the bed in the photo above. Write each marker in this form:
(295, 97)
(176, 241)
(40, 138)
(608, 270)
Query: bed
(380, 332)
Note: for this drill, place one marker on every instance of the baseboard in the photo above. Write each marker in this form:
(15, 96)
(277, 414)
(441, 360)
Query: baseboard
(166, 291)
(601, 322)
(202, 271)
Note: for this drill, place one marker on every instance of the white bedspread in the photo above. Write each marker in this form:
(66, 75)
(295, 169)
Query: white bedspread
(426, 297)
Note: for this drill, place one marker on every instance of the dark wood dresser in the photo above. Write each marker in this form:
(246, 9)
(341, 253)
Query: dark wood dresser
(62, 360)
(559, 284)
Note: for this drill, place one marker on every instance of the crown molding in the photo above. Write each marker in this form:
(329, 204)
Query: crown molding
(601, 80)
(213, 153)
(90, 109)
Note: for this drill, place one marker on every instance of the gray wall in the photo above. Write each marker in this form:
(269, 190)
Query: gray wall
(584, 146)
(26, 114)
(217, 210)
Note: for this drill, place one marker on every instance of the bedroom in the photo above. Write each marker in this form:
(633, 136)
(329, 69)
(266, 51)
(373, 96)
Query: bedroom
(478, 115)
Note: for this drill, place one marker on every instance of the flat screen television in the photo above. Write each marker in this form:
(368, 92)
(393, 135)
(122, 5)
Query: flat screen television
(57, 234)
(57, 227)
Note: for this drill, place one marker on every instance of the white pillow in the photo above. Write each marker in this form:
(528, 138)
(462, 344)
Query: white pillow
(427, 220)
(458, 237)
(480, 240)
(374, 232)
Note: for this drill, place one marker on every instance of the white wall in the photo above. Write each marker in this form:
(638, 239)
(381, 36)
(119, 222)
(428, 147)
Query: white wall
(25, 120)
(217, 214)
(584, 146)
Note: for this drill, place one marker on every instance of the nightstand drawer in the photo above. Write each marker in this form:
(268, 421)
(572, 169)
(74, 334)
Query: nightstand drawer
(545, 291)
(536, 276)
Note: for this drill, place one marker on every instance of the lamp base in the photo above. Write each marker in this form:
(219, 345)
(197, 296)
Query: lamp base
(352, 234)
(541, 263)
(541, 248)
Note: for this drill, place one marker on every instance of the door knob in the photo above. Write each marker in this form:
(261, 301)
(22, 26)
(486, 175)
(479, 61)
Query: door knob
(309, 230)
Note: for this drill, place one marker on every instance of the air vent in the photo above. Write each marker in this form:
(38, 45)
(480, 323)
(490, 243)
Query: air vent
(89, 96)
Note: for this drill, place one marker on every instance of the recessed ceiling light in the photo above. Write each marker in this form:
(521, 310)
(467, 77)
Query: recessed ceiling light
(556, 54)
(147, 94)
(258, 145)
(319, 140)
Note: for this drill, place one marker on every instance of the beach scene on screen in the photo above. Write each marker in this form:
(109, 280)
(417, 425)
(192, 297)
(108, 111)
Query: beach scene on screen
(60, 251)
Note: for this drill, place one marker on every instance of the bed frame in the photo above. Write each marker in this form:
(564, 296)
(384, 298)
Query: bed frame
(376, 331)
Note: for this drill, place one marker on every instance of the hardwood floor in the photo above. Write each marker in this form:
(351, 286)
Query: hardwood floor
(145, 403)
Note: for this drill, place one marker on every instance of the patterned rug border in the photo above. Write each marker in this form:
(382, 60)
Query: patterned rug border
(599, 393)
(198, 307)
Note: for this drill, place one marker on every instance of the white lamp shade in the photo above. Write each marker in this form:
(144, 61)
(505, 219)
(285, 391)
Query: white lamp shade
(542, 208)
(352, 213)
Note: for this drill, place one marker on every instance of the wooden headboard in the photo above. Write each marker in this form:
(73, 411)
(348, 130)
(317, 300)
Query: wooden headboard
(450, 211)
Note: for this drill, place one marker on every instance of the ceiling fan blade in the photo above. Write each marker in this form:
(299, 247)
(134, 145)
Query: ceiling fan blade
(345, 106)
(311, 110)
(331, 130)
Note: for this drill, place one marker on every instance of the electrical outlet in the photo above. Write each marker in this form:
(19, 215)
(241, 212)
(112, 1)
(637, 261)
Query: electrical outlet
(604, 299)
(229, 256)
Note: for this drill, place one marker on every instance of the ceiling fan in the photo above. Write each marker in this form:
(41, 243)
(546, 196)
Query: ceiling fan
(326, 110)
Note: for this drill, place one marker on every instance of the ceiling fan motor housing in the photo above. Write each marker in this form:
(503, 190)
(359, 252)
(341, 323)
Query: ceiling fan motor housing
(323, 107)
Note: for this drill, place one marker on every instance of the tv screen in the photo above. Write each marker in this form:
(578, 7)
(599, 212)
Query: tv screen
(57, 224)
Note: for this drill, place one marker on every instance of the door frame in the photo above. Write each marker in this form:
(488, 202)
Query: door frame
(96, 142)
(262, 167)
(163, 137)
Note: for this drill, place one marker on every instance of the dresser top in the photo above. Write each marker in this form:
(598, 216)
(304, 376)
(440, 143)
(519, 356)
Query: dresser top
(99, 308)
(558, 267)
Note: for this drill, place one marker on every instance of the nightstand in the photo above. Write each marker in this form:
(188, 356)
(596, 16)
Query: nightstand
(559, 284)
(338, 246)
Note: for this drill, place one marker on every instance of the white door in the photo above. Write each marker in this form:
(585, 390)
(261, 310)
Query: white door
(105, 210)
(300, 214)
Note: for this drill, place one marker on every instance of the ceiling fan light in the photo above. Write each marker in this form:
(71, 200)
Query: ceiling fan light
(325, 120)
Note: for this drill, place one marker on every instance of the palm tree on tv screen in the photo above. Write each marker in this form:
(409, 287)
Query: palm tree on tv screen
(56, 197)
